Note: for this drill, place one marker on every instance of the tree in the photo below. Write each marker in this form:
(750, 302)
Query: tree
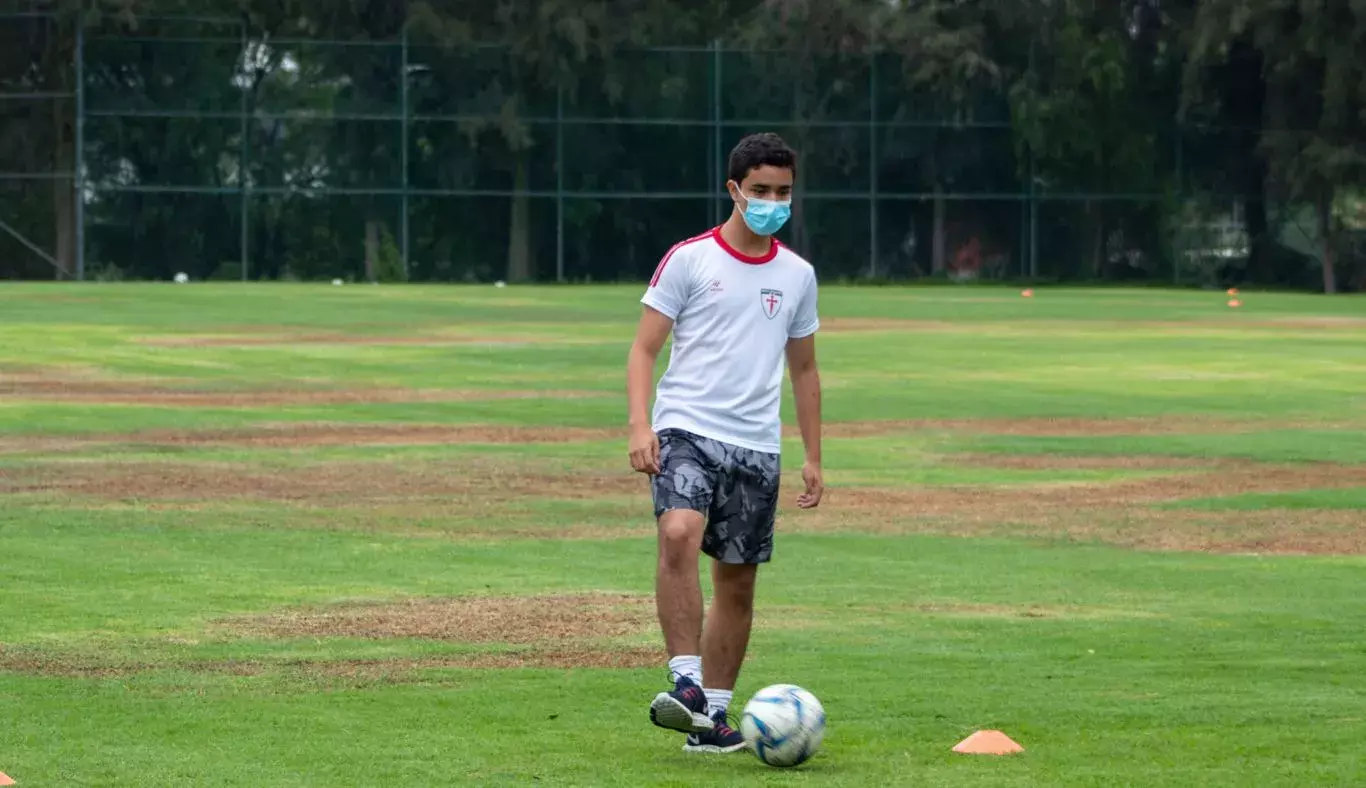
(811, 62)
(531, 54)
(1081, 120)
(38, 135)
(357, 78)
(1313, 136)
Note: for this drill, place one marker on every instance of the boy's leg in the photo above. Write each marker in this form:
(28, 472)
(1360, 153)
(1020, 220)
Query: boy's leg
(739, 538)
(726, 637)
(682, 493)
(678, 595)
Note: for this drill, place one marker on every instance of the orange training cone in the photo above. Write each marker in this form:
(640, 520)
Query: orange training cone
(5, 779)
(1027, 293)
(988, 743)
(1235, 303)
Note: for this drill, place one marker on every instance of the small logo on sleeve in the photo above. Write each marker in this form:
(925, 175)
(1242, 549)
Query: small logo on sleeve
(772, 301)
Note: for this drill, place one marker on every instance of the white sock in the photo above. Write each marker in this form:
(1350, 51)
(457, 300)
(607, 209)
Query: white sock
(718, 700)
(690, 666)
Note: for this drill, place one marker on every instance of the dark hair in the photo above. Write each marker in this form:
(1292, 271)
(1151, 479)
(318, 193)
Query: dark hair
(758, 150)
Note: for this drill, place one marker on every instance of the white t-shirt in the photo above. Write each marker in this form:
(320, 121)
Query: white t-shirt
(733, 315)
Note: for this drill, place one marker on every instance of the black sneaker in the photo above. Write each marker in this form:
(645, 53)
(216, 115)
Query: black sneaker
(721, 738)
(684, 709)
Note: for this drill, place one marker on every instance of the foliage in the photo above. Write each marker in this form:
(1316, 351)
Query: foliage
(1314, 127)
(1002, 127)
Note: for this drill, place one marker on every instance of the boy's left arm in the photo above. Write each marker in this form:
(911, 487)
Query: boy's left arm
(806, 390)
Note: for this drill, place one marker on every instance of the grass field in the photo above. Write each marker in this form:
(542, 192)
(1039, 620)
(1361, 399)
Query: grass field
(306, 535)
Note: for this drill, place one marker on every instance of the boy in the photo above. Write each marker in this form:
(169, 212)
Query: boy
(739, 304)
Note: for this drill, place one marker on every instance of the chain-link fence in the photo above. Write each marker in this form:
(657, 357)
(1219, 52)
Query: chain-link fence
(200, 145)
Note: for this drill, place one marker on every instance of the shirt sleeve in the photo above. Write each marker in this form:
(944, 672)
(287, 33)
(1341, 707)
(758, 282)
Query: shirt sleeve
(806, 320)
(671, 284)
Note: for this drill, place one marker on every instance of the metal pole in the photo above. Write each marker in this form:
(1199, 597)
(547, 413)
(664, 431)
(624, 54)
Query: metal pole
(80, 147)
(1024, 233)
(717, 166)
(872, 165)
(1033, 200)
(1177, 252)
(559, 182)
(403, 90)
(1033, 222)
(244, 160)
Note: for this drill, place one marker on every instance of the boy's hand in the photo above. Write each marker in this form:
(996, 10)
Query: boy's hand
(644, 448)
(815, 486)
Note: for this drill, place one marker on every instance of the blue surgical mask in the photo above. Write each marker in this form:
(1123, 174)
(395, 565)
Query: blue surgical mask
(766, 217)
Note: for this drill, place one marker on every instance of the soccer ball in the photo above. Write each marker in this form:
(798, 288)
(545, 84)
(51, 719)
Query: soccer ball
(783, 725)
(181, 278)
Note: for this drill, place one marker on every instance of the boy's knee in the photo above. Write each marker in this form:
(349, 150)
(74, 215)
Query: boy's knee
(680, 536)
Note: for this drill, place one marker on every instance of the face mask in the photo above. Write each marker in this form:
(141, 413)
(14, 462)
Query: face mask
(766, 217)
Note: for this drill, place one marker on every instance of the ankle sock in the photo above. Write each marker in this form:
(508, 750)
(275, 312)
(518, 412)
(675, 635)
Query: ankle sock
(689, 665)
(718, 700)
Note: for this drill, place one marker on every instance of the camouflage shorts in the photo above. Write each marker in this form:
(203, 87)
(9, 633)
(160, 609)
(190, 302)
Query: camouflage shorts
(735, 489)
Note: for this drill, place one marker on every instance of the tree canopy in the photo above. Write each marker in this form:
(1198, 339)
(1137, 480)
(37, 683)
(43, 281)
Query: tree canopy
(1202, 141)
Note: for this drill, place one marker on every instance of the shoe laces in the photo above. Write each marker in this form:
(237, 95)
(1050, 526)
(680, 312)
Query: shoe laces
(692, 687)
(727, 720)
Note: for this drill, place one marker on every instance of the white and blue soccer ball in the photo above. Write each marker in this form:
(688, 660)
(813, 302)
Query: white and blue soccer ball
(783, 725)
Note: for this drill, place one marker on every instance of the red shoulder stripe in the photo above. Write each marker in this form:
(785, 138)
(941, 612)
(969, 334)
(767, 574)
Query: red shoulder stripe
(659, 269)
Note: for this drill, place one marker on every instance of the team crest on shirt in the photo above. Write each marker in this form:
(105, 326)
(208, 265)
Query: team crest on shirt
(771, 300)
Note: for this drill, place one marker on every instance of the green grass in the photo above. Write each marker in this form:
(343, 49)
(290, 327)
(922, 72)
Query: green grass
(1352, 499)
(1234, 662)
(1343, 444)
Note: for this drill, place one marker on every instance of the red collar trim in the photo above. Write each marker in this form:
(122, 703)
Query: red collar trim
(744, 258)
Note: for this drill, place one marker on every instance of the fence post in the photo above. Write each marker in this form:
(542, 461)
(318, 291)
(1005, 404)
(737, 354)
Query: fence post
(1033, 198)
(716, 166)
(403, 148)
(1180, 190)
(79, 180)
(244, 157)
(872, 165)
(559, 179)
(1033, 220)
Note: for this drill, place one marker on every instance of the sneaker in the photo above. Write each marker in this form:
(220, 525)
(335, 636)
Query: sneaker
(684, 709)
(721, 738)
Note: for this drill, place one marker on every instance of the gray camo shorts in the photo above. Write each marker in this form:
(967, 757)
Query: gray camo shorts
(735, 489)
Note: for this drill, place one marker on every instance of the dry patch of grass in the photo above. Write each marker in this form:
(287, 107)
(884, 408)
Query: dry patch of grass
(1283, 531)
(1116, 512)
(317, 338)
(1062, 427)
(1016, 501)
(562, 656)
(1061, 462)
(310, 434)
(547, 631)
(337, 484)
(489, 619)
(1322, 321)
(63, 386)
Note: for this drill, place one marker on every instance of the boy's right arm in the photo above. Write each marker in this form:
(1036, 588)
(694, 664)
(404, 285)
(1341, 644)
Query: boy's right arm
(651, 334)
(665, 299)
